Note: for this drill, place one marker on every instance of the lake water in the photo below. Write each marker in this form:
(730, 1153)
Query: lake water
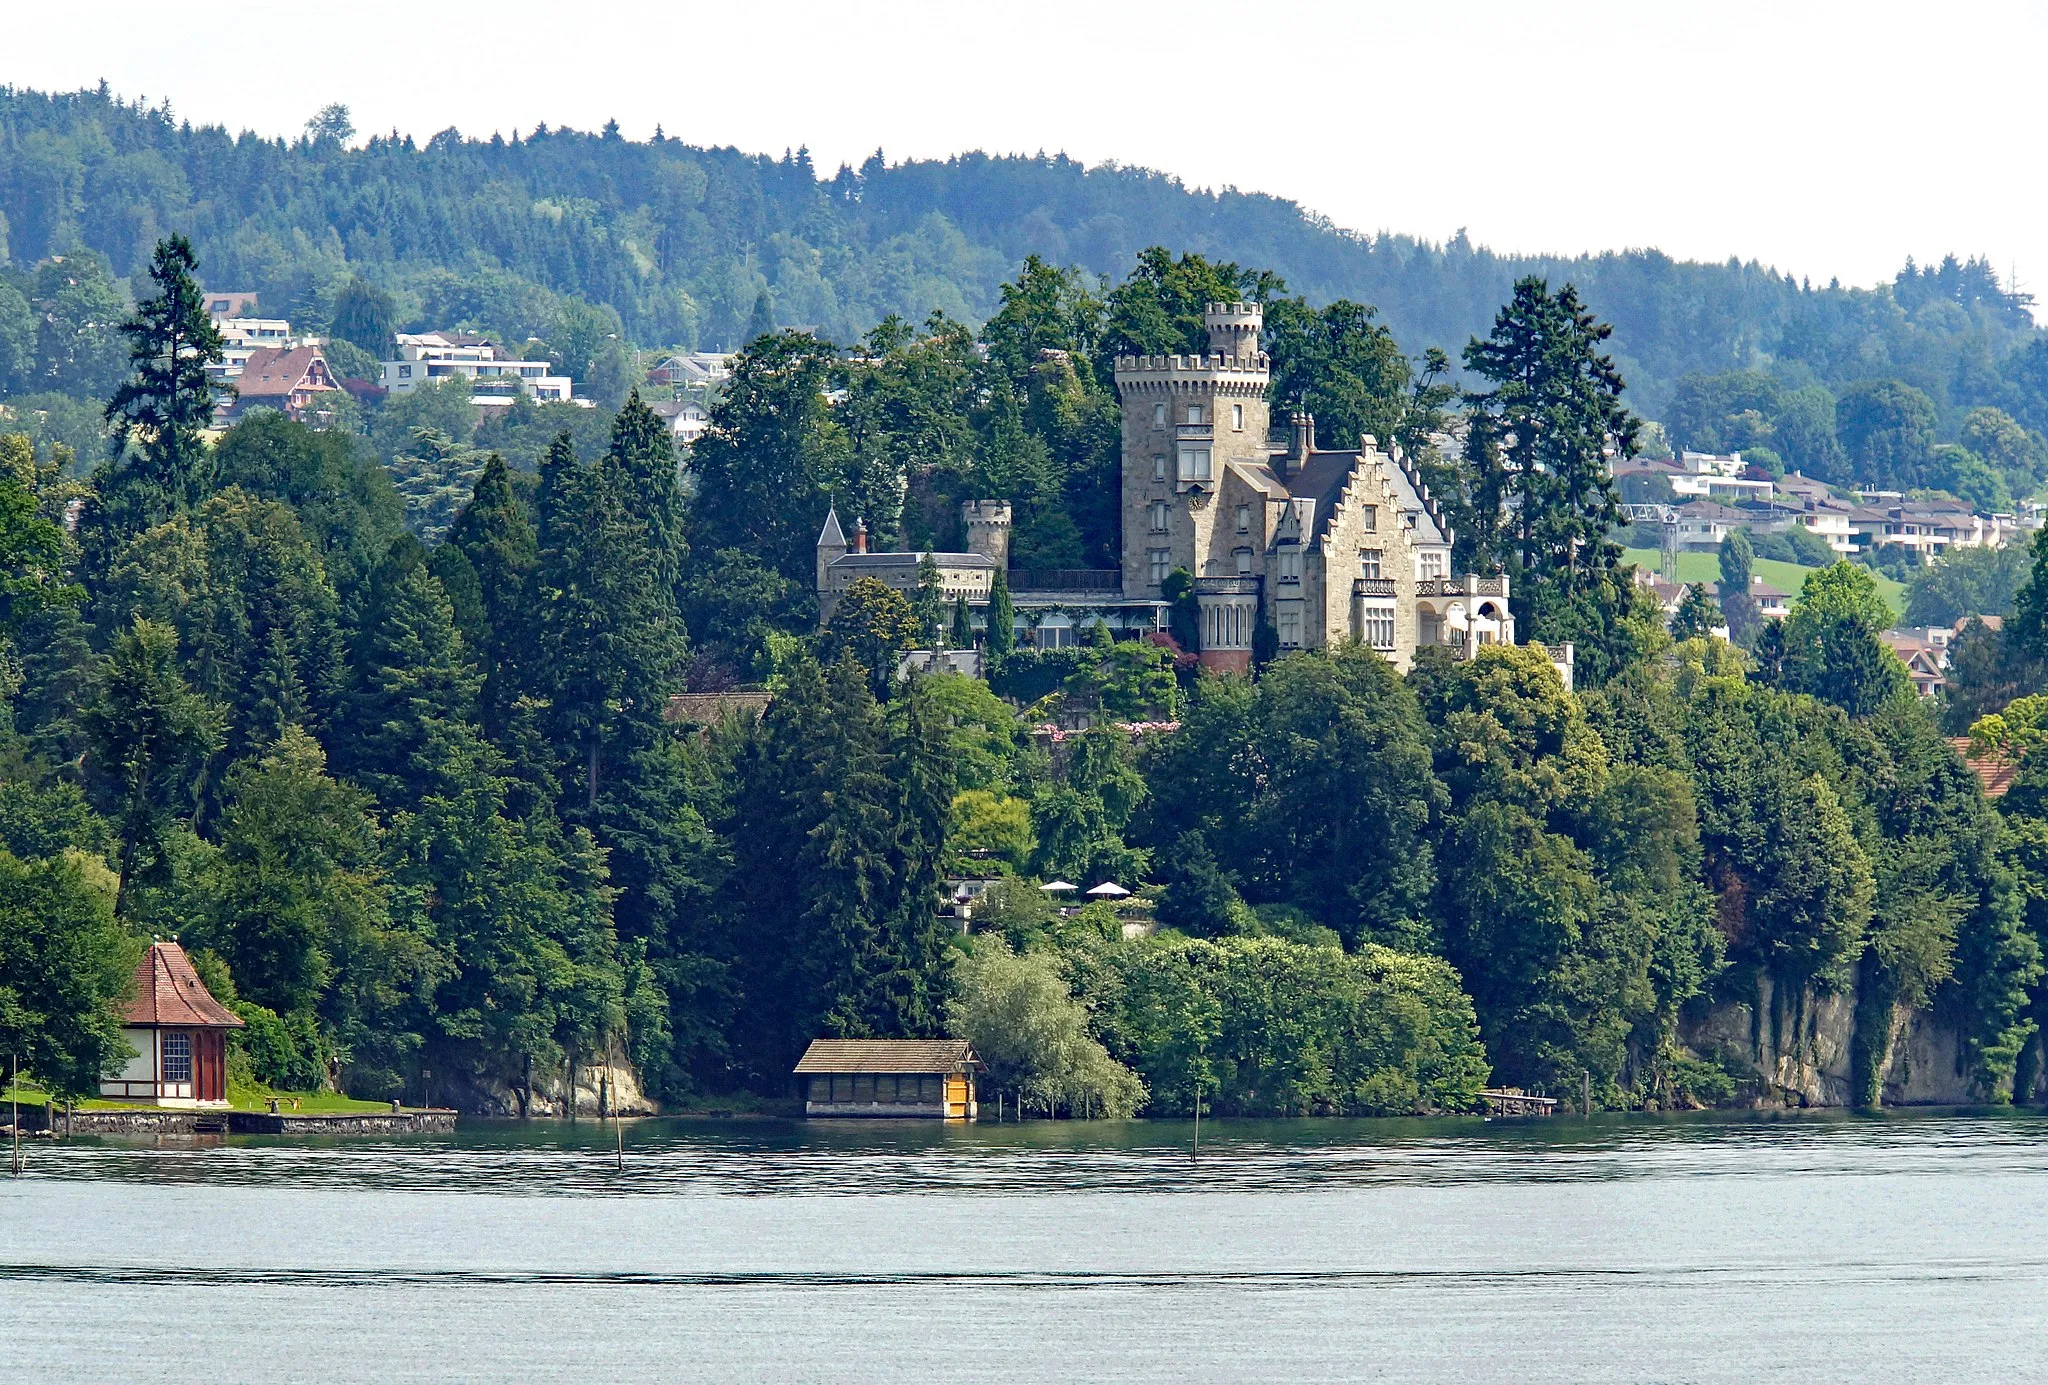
(1711, 1249)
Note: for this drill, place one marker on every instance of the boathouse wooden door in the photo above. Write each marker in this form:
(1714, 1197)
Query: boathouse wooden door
(209, 1065)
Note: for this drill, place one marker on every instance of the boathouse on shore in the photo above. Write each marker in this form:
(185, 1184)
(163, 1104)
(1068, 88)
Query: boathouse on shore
(176, 1033)
(928, 1078)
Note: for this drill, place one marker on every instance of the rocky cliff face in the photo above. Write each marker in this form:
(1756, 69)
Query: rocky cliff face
(599, 1091)
(1801, 1046)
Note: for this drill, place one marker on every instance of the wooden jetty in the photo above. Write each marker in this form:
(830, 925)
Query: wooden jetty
(1513, 1101)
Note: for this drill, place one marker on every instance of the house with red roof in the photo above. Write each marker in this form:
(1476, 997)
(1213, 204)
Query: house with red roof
(176, 1034)
(290, 380)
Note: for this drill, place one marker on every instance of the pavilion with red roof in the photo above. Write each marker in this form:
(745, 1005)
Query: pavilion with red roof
(177, 1036)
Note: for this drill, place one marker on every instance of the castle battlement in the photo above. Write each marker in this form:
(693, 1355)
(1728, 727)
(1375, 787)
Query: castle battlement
(1226, 374)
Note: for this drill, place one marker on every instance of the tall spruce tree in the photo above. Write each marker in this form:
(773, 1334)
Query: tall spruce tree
(1002, 617)
(608, 643)
(414, 680)
(644, 451)
(1553, 424)
(494, 533)
(161, 462)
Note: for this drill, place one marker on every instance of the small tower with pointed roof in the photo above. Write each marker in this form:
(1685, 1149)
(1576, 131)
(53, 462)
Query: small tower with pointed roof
(831, 545)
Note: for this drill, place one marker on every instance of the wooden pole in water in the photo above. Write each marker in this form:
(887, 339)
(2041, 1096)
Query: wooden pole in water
(612, 1080)
(14, 1125)
(1586, 1091)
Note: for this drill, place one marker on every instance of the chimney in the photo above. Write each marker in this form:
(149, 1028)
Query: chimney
(1302, 446)
(860, 536)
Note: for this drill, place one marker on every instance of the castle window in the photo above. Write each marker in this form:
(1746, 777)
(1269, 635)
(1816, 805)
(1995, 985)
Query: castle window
(1159, 466)
(1244, 519)
(1194, 464)
(1158, 516)
(1244, 562)
(1378, 622)
(1158, 415)
(1290, 564)
(1372, 519)
(1156, 561)
(1369, 561)
(1290, 629)
(1432, 565)
(1194, 413)
(1237, 418)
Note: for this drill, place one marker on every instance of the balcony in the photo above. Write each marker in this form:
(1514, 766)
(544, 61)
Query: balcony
(1372, 586)
(1195, 432)
(1226, 586)
(1065, 579)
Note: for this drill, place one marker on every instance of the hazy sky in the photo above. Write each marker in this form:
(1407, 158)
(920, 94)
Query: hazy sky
(1827, 139)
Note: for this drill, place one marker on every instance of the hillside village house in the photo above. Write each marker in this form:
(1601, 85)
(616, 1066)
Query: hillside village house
(686, 419)
(691, 369)
(495, 378)
(1324, 545)
(292, 380)
(176, 1034)
(889, 1078)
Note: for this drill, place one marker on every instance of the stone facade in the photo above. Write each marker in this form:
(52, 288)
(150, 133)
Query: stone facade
(1323, 545)
(1320, 545)
(841, 564)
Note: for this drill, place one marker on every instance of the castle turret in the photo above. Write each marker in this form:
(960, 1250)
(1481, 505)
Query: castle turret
(988, 529)
(1234, 328)
(831, 545)
(1186, 420)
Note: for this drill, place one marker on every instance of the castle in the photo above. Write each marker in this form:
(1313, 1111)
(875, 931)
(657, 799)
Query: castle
(1324, 545)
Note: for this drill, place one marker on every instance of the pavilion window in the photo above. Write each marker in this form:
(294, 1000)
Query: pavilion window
(177, 1058)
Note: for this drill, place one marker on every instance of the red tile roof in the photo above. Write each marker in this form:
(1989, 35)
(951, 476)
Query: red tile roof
(169, 994)
(275, 371)
(1994, 771)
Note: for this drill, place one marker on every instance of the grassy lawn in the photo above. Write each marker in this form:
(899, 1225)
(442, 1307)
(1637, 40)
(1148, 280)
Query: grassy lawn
(1787, 577)
(240, 1098)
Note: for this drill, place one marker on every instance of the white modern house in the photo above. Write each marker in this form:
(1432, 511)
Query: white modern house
(495, 378)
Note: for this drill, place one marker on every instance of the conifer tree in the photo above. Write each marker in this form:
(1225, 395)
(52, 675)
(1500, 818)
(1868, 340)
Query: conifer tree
(161, 463)
(1552, 425)
(1002, 616)
(494, 533)
(414, 684)
(645, 453)
(149, 733)
(929, 605)
(608, 645)
(963, 623)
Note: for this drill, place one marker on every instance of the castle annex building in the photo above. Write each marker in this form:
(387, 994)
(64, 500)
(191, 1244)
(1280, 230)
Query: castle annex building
(1325, 545)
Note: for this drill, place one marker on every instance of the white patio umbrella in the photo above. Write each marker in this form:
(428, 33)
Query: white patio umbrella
(1108, 889)
(1058, 887)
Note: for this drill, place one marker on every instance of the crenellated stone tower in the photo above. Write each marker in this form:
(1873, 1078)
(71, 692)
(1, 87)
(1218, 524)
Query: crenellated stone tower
(1185, 418)
(987, 523)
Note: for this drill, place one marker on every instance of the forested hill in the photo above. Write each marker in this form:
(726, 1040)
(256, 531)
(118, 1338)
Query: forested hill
(700, 246)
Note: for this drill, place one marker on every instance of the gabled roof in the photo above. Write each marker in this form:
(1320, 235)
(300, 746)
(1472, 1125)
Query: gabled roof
(169, 994)
(1993, 770)
(887, 1055)
(274, 371)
